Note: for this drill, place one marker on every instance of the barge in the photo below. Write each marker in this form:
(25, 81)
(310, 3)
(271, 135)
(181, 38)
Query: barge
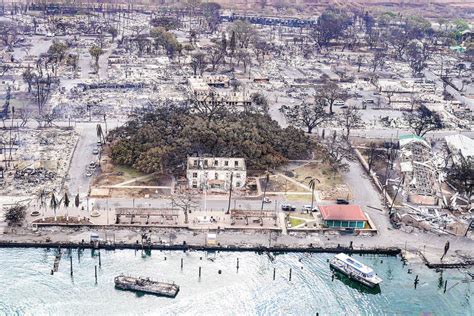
(355, 270)
(146, 285)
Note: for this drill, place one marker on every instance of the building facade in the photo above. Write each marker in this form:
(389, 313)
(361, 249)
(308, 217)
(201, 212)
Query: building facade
(344, 216)
(215, 173)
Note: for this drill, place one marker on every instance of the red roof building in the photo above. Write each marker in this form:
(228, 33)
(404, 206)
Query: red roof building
(342, 216)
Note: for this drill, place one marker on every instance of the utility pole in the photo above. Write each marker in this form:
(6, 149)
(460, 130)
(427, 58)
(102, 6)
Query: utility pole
(471, 226)
(230, 191)
(11, 127)
(205, 192)
(396, 193)
(267, 178)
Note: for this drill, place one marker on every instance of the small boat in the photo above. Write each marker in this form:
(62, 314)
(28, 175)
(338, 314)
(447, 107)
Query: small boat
(355, 270)
(146, 285)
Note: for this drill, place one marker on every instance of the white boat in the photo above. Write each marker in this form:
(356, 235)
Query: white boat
(355, 270)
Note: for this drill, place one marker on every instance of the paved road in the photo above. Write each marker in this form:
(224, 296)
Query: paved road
(395, 133)
(439, 83)
(78, 182)
(367, 196)
(212, 203)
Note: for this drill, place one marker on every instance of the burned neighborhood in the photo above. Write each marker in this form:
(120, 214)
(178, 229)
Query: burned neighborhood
(268, 125)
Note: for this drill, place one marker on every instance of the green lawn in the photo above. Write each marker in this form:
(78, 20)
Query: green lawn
(298, 197)
(129, 172)
(296, 221)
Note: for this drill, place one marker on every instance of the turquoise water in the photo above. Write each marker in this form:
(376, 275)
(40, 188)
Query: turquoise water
(28, 288)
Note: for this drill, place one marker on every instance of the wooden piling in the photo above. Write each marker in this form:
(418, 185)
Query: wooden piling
(445, 285)
(274, 272)
(95, 274)
(71, 264)
(199, 272)
(181, 263)
(416, 281)
(289, 277)
(237, 263)
(100, 261)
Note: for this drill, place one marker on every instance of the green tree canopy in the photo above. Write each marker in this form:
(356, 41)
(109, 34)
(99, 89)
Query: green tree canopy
(95, 52)
(167, 40)
(57, 51)
(161, 139)
(331, 25)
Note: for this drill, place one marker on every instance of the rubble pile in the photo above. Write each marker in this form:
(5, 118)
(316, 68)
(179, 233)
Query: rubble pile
(434, 220)
(33, 176)
(40, 160)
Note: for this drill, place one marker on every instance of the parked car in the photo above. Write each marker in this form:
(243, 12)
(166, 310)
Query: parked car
(342, 201)
(95, 151)
(267, 200)
(288, 208)
(88, 174)
(308, 208)
(284, 207)
(92, 165)
(339, 102)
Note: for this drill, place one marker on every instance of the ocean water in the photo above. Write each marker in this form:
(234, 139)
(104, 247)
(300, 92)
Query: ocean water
(28, 288)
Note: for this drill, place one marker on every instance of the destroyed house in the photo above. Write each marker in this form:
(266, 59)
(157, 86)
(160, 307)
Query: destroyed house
(416, 165)
(461, 147)
(213, 92)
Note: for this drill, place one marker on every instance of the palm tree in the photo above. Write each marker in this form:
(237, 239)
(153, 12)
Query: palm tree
(95, 52)
(41, 198)
(105, 122)
(76, 200)
(312, 184)
(66, 204)
(100, 133)
(54, 204)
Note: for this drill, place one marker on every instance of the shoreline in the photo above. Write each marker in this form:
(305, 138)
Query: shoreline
(427, 249)
(387, 251)
(384, 251)
(185, 247)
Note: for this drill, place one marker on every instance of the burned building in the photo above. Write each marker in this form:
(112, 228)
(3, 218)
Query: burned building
(418, 170)
(212, 90)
